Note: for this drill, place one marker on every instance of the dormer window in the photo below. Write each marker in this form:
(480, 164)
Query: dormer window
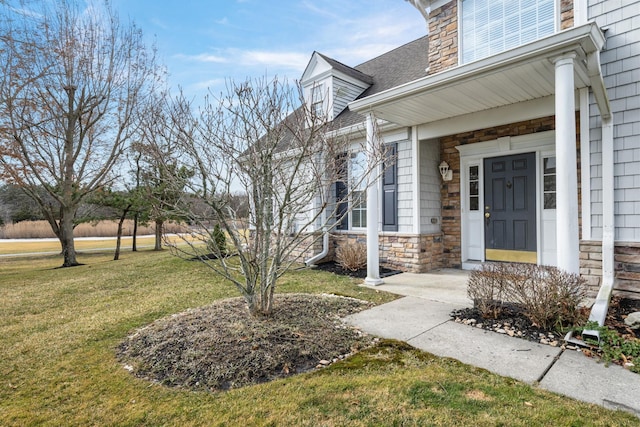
(493, 26)
(317, 100)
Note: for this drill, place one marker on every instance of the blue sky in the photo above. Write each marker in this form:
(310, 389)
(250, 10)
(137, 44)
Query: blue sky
(204, 42)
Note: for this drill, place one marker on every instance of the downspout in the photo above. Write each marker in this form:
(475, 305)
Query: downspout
(601, 305)
(325, 236)
(323, 253)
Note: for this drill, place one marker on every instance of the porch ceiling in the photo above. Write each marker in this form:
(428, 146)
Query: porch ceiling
(518, 75)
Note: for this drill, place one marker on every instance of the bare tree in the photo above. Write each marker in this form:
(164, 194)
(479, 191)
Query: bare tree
(163, 175)
(262, 138)
(72, 85)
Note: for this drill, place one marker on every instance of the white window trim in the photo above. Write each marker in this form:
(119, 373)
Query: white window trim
(351, 195)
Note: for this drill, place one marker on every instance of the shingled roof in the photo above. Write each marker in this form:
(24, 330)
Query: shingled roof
(394, 68)
(352, 72)
(401, 65)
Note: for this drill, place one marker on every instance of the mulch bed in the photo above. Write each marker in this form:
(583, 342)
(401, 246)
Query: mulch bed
(514, 323)
(619, 309)
(334, 267)
(221, 346)
(514, 319)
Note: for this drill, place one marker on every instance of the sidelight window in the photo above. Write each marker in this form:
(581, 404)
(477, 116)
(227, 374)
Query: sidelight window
(474, 188)
(549, 182)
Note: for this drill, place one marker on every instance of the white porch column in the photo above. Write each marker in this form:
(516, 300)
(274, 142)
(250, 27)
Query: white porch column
(373, 256)
(567, 234)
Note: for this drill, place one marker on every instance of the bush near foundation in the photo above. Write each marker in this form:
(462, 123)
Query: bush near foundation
(351, 256)
(546, 295)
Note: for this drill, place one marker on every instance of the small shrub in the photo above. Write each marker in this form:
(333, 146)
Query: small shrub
(352, 256)
(486, 288)
(547, 296)
(218, 242)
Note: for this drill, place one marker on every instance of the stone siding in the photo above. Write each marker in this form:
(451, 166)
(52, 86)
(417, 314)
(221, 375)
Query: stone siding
(443, 37)
(626, 264)
(404, 252)
(566, 14)
(308, 247)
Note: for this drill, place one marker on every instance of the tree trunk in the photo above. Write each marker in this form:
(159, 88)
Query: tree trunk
(66, 238)
(134, 238)
(116, 256)
(159, 225)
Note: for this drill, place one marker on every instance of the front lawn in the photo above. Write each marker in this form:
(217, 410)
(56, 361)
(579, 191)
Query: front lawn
(59, 330)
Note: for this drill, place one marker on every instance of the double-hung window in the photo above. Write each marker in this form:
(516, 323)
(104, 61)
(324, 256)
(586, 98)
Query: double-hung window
(317, 100)
(358, 183)
(493, 26)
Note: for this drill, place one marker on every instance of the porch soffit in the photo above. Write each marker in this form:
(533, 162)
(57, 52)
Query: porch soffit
(518, 75)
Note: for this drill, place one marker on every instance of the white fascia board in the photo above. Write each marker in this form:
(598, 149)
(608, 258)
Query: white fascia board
(381, 125)
(340, 75)
(435, 4)
(584, 40)
(310, 71)
(326, 70)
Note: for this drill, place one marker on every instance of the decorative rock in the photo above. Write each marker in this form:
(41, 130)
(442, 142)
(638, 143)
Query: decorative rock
(633, 320)
(501, 331)
(544, 341)
(553, 343)
(510, 333)
(324, 362)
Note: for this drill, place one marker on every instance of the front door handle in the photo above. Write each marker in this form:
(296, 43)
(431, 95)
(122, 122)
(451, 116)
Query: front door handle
(487, 215)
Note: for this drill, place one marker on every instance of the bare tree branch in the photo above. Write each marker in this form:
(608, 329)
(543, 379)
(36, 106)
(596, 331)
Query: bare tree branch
(73, 82)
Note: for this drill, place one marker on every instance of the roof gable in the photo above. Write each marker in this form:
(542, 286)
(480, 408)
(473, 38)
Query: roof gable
(321, 66)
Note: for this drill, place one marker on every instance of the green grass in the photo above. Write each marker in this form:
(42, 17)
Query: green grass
(59, 328)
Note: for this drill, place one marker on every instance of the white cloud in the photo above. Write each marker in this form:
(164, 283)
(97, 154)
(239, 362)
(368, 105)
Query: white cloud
(159, 23)
(252, 58)
(206, 84)
(290, 60)
(327, 12)
(203, 57)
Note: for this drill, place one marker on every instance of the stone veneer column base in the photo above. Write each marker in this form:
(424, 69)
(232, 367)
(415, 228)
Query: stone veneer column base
(626, 262)
(404, 252)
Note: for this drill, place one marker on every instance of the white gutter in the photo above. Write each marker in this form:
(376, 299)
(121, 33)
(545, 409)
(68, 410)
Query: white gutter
(587, 39)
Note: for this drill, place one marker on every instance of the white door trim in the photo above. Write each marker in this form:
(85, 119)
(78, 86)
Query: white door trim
(543, 144)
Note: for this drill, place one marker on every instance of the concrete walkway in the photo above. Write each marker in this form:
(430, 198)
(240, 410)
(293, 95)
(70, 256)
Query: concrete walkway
(422, 319)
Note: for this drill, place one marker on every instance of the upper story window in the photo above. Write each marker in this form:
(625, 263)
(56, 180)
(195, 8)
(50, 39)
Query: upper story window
(493, 26)
(317, 100)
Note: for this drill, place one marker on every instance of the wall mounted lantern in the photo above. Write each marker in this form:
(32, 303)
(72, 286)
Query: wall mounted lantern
(447, 174)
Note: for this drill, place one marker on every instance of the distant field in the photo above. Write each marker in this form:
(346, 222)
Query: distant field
(42, 229)
(28, 246)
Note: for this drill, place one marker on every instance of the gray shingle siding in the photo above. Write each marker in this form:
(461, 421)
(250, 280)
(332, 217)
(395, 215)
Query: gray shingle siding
(621, 70)
(343, 93)
(429, 186)
(405, 188)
